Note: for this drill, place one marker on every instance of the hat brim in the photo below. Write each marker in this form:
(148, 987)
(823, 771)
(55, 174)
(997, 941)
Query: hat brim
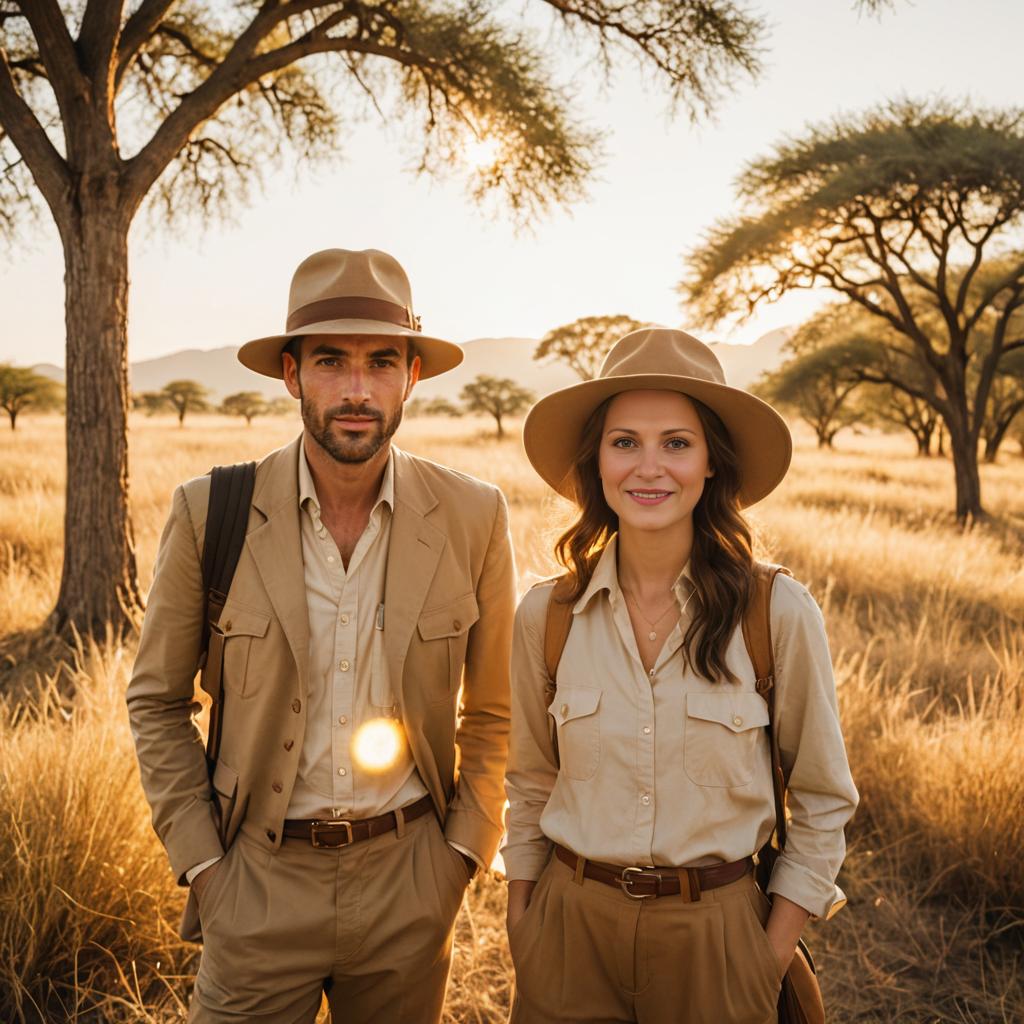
(764, 447)
(263, 355)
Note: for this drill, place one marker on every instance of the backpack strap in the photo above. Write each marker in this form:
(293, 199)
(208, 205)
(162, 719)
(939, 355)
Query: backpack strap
(227, 517)
(757, 635)
(556, 632)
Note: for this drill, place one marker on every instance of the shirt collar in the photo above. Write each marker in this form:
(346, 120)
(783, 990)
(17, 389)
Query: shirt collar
(307, 489)
(606, 577)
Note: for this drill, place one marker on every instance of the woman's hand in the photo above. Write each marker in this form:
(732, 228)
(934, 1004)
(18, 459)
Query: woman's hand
(785, 923)
(519, 894)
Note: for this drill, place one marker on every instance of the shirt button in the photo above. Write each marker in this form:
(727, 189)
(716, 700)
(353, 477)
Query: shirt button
(344, 620)
(344, 665)
(342, 771)
(651, 673)
(736, 720)
(645, 798)
(330, 558)
(647, 730)
(564, 709)
(343, 719)
(296, 706)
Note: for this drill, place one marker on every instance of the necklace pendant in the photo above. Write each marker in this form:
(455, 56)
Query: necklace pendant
(652, 635)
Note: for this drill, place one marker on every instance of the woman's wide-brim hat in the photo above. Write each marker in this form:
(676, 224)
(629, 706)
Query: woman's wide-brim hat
(660, 359)
(343, 291)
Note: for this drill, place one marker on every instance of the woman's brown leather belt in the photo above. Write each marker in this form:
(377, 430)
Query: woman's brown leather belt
(644, 883)
(332, 833)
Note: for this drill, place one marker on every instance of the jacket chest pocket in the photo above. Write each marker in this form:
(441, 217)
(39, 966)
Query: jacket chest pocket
(242, 672)
(720, 747)
(575, 711)
(444, 636)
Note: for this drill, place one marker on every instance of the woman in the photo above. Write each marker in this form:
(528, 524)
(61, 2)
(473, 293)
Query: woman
(661, 756)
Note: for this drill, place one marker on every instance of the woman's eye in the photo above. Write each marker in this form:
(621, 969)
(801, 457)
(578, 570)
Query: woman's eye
(623, 442)
(677, 444)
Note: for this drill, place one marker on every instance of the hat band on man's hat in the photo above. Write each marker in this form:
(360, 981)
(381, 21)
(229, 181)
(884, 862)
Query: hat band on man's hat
(352, 307)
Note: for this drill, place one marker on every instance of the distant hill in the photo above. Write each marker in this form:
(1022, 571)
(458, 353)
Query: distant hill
(221, 372)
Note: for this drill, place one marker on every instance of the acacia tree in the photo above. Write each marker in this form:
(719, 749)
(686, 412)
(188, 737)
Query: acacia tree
(185, 396)
(497, 396)
(244, 403)
(1006, 403)
(103, 103)
(584, 343)
(901, 209)
(22, 388)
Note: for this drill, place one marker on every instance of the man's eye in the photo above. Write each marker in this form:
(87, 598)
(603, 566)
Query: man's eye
(327, 361)
(382, 364)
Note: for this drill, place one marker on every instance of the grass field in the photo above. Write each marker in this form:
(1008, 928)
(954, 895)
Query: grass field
(925, 626)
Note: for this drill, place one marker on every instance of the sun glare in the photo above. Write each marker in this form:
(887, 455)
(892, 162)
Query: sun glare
(481, 152)
(377, 744)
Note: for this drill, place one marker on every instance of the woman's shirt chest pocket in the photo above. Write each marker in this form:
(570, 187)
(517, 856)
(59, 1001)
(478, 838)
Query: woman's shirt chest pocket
(722, 735)
(577, 718)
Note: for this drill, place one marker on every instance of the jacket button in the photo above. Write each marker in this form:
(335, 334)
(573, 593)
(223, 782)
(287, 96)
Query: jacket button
(277, 787)
(456, 625)
(289, 744)
(271, 835)
(564, 709)
(296, 706)
(227, 626)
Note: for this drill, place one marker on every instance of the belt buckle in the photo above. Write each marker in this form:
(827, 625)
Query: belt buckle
(626, 881)
(333, 823)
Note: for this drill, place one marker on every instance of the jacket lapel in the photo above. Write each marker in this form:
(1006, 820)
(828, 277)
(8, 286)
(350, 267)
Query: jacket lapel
(276, 548)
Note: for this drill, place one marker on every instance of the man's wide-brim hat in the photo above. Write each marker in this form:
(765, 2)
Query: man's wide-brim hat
(660, 359)
(347, 292)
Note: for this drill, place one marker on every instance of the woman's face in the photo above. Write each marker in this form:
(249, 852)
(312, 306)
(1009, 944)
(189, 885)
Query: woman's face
(653, 459)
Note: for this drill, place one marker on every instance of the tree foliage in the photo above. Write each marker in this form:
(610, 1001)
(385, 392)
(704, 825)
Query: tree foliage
(22, 388)
(910, 212)
(584, 343)
(186, 396)
(249, 404)
(496, 396)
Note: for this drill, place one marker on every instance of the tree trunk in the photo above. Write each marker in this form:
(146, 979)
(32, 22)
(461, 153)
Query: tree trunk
(501, 432)
(98, 583)
(941, 445)
(13, 413)
(963, 444)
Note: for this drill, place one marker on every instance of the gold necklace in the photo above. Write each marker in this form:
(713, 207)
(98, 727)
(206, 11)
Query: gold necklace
(653, 634)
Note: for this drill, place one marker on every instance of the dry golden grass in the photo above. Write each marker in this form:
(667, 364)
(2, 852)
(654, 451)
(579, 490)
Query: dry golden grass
(925, 625)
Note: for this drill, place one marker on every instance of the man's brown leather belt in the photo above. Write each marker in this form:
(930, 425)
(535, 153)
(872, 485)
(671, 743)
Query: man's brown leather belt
(332, 833)
(648, 883)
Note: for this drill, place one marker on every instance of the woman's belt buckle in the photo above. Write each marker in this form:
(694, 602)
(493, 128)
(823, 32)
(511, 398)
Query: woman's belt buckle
(628, 877)
(329, 828)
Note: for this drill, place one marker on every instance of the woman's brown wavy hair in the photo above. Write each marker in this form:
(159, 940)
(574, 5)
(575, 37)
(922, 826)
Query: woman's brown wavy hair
(721, 562)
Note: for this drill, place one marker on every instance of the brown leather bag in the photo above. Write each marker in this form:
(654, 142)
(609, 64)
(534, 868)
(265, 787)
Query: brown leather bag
(800, 999)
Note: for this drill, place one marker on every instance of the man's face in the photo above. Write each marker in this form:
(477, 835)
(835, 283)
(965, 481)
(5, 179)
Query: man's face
(352, 390)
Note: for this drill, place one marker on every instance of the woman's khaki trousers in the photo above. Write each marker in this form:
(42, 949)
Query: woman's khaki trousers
(588, 952)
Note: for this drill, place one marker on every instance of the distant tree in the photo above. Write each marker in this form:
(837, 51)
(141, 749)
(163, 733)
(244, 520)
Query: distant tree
(282, 407)
(893, 407)
(584, 343)
(244, 403)
(1006, 403)
(151, 402)
(186, 396)
(103, 104)
(441, 407)
(901, 210)
(498, 397)
(22, 388)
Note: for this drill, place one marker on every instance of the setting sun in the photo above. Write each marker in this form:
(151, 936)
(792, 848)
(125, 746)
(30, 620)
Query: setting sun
(377, 744)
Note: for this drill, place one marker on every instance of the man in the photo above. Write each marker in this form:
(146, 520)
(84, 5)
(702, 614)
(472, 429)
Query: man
(352, 797)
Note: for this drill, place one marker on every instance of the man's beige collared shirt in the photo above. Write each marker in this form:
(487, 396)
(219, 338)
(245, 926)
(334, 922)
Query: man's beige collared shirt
(665, 767)
(349, 683)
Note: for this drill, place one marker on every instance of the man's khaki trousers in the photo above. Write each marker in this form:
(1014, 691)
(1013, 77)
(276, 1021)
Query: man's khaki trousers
(588, 952)
(369, 924)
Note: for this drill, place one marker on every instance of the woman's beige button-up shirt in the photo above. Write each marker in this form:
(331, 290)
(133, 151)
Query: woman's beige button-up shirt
(665, 767)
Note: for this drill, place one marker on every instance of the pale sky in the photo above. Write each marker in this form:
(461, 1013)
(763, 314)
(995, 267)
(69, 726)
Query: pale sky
(664, 181)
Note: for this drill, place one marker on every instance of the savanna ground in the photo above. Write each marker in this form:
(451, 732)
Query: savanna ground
(925, 626)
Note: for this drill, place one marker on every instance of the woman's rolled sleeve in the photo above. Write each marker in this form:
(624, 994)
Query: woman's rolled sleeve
(532, 766)
(822, 796)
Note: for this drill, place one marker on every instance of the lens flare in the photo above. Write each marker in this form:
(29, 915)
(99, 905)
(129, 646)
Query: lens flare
(481, 153)
(377, 744)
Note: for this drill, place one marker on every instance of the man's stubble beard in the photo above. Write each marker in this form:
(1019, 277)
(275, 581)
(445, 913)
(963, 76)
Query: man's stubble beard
(350, 446)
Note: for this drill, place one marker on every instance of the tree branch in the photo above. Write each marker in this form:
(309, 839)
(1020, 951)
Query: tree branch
(139, 27)
(57, 52)
(46, 165)
(97, 43)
